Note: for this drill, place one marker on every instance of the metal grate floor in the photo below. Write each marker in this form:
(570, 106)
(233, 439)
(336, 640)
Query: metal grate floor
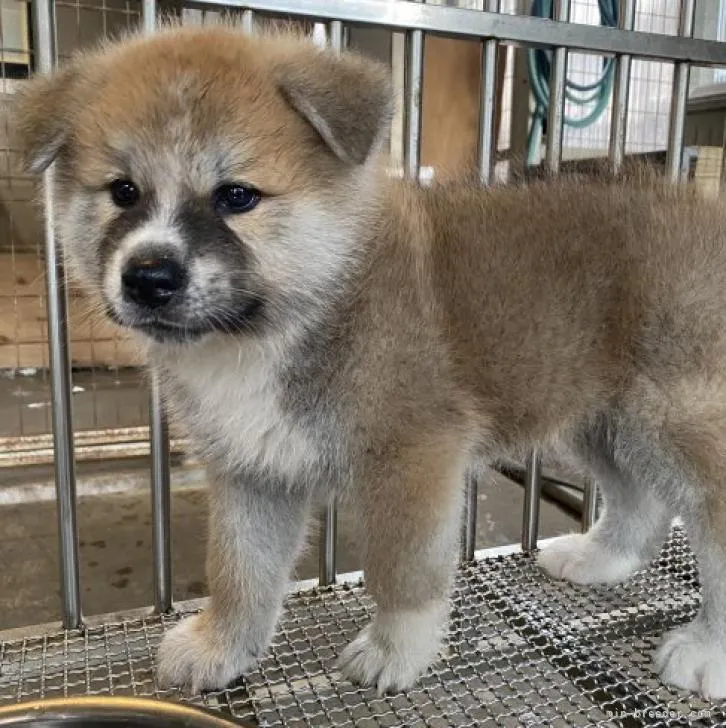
(523, 651)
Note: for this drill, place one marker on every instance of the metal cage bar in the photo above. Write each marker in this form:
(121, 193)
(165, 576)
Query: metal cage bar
(681, 79)
(160, 453)
(553, 157)
(456, 22)
(556, 111)
(621, 91)
(248, 21)
(160, 501)
(486, 150)
(59, 357)
(148, 15)
(412, 103)
(589, 506)
(327, 566)
(468, 535)
(488, 104)
(530, 509)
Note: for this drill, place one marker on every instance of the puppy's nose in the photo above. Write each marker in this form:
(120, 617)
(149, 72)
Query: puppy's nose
(152, 282)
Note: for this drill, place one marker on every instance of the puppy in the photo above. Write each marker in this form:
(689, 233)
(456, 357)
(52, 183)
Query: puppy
(323, 329)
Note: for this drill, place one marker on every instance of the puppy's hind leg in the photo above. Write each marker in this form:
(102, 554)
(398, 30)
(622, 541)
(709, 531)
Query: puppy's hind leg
(694, 656)
(630, 531)
(411, 503)
(256, 528)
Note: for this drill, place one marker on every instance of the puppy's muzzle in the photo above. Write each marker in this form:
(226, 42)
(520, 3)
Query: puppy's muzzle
(153, 282)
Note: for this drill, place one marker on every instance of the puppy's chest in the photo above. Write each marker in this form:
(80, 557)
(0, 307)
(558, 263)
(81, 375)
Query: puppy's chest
(241, 420)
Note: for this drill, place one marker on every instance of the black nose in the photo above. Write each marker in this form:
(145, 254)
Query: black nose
(152, 281)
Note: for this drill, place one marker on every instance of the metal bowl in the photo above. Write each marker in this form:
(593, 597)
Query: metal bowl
(111, 712)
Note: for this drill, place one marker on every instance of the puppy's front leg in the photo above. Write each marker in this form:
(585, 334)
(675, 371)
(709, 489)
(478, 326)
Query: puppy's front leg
(411, 502)
(256, 528)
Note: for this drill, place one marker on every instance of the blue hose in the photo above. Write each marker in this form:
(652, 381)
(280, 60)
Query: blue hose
(539, 64)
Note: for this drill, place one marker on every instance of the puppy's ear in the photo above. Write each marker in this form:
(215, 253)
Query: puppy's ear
(43, 117)
(347, 99)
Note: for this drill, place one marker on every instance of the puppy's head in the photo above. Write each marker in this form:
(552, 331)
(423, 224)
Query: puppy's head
(208, 181)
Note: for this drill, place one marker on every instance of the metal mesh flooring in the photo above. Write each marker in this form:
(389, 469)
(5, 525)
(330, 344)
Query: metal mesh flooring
(523, 650)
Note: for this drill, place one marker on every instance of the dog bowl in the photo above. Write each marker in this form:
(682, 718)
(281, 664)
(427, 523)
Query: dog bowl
(110, 712)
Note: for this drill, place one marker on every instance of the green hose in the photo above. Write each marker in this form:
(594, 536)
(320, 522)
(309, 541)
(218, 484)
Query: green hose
(539, 64)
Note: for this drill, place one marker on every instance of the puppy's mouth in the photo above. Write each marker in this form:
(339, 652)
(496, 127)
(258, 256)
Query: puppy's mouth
(164, 329)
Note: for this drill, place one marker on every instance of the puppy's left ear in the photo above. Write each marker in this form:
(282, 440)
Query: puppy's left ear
(346, 98)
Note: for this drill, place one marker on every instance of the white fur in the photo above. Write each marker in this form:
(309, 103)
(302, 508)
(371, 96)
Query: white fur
(582, 559)
(693, 658)
(393, 650)
(235, 404)
(189, 656)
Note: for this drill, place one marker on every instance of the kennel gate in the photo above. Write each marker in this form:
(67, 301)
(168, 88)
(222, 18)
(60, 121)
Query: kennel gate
(522, 650)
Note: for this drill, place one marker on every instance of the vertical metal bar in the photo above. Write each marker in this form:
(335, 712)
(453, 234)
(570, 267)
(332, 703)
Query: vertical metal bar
(160, 501)
(681, 78)
(148, 13)
(532, 491)
(336, 35)
(487, 104)
(486, 150)
(59, 349)
(327, 570)
(621, 91)
(160, 470)
(589, 506)
(328, 536)
(553, 157)
(556, 112)
(248, 22)
(468, 541)
(412, 103)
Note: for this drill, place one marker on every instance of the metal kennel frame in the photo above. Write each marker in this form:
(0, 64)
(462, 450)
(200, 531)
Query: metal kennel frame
(51, 661)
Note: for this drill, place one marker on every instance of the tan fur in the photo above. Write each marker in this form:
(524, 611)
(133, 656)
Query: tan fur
(409, 333)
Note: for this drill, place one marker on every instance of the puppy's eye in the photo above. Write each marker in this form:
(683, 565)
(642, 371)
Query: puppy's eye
(235, 199)
(124, 193)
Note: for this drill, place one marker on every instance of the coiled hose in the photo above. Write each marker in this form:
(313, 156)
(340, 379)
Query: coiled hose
(539, 65)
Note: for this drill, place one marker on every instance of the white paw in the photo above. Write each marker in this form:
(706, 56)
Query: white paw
(395, 649)
(581, 559)
(192, 657)
(691, 658)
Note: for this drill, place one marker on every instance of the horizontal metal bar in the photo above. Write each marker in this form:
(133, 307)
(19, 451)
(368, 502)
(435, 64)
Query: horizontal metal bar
(81, 437)
(91, 451)
(523, 29)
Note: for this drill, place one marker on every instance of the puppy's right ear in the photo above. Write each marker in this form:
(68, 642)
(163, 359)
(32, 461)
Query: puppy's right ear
(43, 117)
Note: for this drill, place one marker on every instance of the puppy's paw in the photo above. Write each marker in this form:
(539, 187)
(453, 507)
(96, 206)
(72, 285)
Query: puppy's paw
(583, 560)
(691, 658)
(394, 650)
(193, 658)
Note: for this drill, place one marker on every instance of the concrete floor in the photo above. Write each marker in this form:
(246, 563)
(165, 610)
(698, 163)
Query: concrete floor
(115, 540)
